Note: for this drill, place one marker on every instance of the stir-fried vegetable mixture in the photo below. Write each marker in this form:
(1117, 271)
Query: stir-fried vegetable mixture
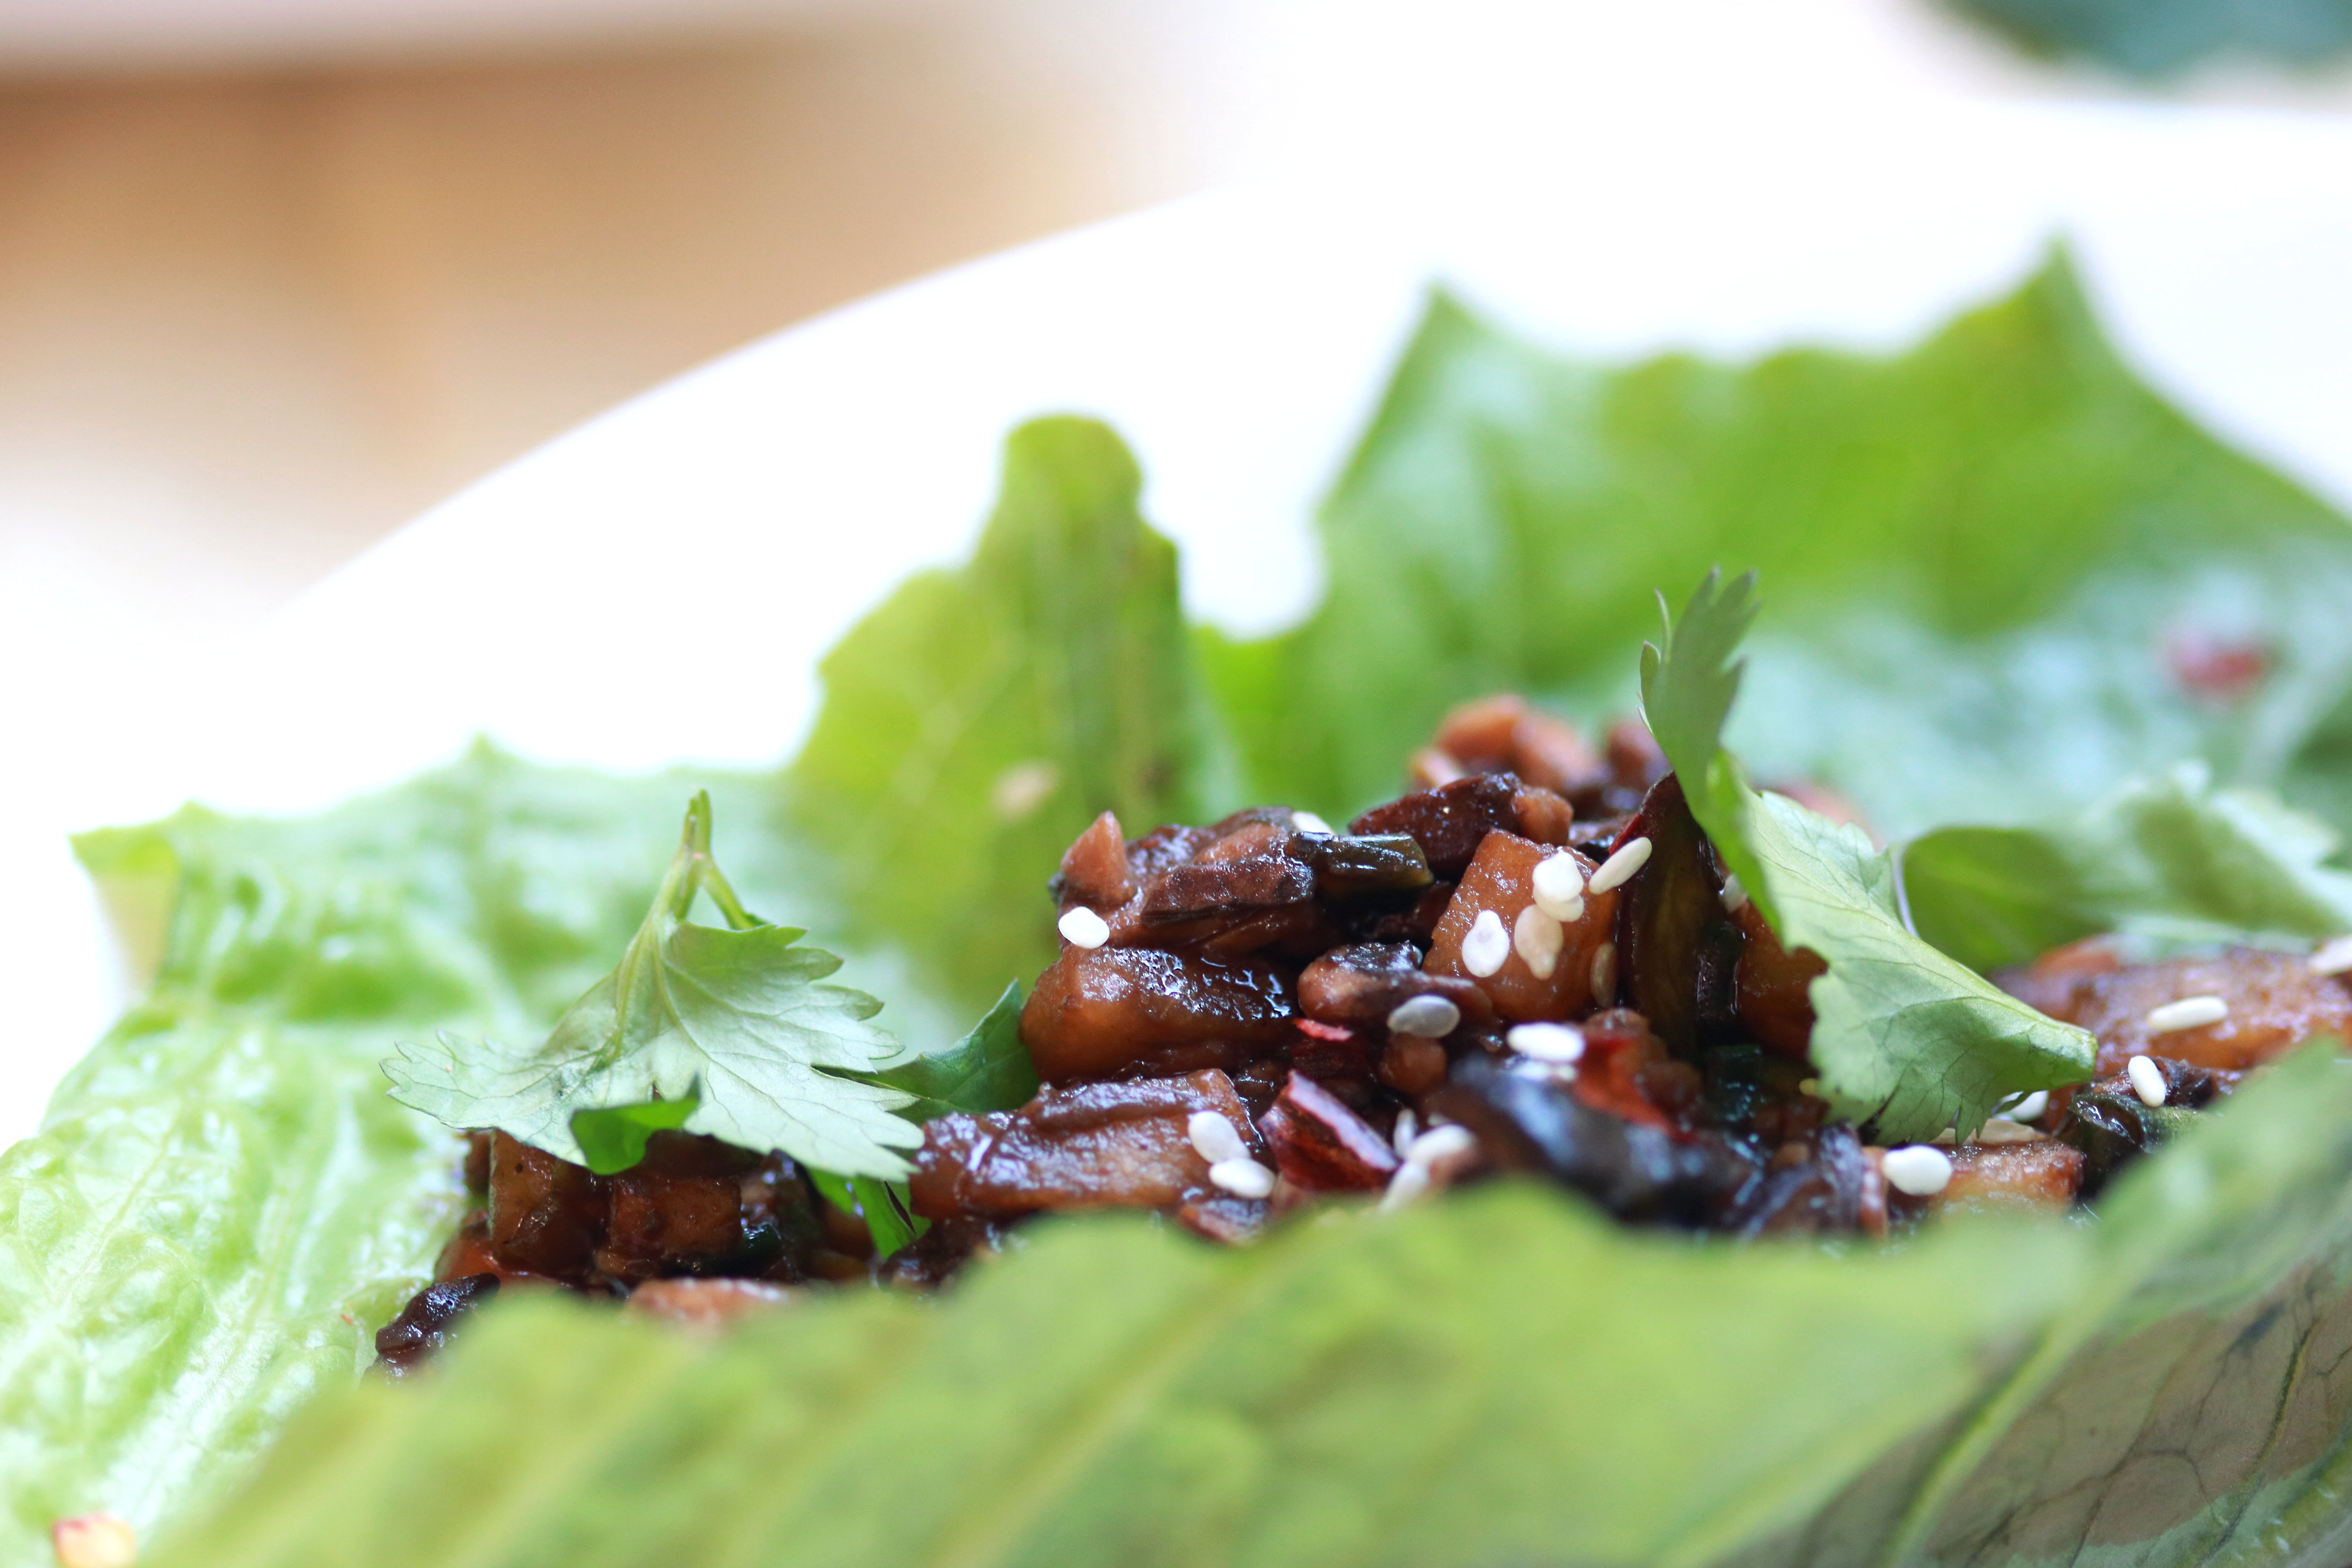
(1535, 961)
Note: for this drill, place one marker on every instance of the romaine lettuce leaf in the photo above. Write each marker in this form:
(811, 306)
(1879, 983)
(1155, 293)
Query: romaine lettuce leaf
(1503, 1378)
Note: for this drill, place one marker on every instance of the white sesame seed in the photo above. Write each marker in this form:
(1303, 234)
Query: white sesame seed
(2000, 1129)
(1547, 1042)
(1215, 1137)
(1558, 883)
(1432, 1018)
(1244, 1177)
(1734, 896)
(1439, 1144)
(1619, 868)
(1484, 950)
(1308, 822)
(2146, 1082)
(2333, 957)
(1410, 1183)
(1604, 976)
(1405, 1128)
(1919, 1169)
(2028, 1108)
(1081, 927)
(2188, 1013)
(1536, 938)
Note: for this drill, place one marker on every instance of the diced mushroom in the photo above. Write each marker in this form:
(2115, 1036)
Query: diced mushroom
(1499, 881)
(1360, 986)
(1526, 1122)
(1504, 734)
(425, 1324)
(934, 1258)
(2044, 1175)
(2271, 1003)
(1094, 1146)
(1540, 815)
(544, 1213)
(1670, 918)
(1320, 1145)
(1095, 870)
(1115, 1012)
(1236, 885)
(1826, 1183)
(1625, 1071)
(680, 1210)
(1773, 985)
(1450, 821)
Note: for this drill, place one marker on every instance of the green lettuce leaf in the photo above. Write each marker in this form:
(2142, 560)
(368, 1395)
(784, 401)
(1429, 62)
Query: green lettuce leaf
(1906, 1041)
(734, 1023)
(1980, 550)
(221, 1204)
(1503, 1378)
(2176, 860)
(982, 717)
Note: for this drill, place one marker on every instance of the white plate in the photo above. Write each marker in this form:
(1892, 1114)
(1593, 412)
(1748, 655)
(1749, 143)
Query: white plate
(764, 502)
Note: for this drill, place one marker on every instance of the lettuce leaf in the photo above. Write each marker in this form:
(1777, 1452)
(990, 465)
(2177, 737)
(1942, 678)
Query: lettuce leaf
(1363, 1390)
(982, 717)
(1503, 1378)
(1979, 552)
(221, 1204)
(2176, 860)
(1906, 1041)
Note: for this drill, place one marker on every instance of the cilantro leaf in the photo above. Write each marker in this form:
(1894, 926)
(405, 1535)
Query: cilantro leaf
(2175, 859)
(733, 1021)
(1906, 1039)
(988, 1069)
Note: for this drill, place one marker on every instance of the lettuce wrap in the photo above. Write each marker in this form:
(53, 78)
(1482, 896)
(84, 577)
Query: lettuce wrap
(1985, 560)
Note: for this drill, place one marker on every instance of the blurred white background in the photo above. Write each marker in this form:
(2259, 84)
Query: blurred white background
(275, 275)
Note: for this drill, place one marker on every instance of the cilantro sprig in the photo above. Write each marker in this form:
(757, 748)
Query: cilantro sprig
(727, 1031)
(1906, 1040)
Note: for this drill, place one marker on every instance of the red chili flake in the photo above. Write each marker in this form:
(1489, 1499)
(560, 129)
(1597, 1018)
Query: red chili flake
(1315, 1030)
(2214, 667)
